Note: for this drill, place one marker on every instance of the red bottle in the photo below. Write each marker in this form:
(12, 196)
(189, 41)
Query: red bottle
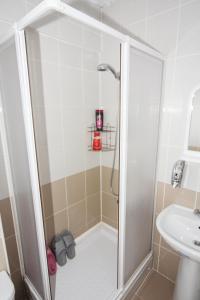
(97, 144)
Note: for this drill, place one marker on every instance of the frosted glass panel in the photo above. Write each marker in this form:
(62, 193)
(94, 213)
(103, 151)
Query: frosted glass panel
(143, 122)
(12, 108)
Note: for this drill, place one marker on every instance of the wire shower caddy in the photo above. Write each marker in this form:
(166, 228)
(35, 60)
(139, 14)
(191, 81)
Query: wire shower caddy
(107, 137)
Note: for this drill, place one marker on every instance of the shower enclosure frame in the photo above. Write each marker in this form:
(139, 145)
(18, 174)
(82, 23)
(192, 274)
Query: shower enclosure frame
(44, 9)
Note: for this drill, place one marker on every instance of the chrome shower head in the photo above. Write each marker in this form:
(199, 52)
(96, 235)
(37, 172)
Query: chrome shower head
(106, 67)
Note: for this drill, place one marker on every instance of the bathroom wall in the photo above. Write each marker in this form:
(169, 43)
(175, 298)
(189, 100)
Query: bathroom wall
(172, 27)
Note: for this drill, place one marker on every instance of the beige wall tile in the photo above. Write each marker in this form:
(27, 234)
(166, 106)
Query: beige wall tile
(54, 197)
(156, 234)
(109, 207)
(75, 188)
(167, 246)
(198, 201)
(93, 223)
(155, 256)
(49, 229)
(77, 218)
(179, 196)
(92, 181)
(93, 207)
(19, 285)
(159, 200)
(135, 297)
(110, 222)
(55, 224)
(7, 219)
(156, 287)
(12, 252)
(168, 263)
(106, 173)
(3, 265)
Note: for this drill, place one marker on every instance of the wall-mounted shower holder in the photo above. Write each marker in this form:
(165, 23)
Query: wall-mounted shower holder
(107, 137)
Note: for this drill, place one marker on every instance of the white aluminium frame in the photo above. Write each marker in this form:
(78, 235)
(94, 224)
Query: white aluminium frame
(30, 140)
(44, 9)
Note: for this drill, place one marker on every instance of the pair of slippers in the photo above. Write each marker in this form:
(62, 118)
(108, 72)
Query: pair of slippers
(63, 246)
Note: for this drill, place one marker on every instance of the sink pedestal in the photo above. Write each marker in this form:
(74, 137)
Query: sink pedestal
(188, 280)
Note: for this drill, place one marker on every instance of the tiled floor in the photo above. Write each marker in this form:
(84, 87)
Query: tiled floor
(155, 287)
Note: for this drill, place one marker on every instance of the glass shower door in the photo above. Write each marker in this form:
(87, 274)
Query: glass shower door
(145, 78)
(10, 93)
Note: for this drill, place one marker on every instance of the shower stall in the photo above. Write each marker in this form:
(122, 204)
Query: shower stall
(57, 67)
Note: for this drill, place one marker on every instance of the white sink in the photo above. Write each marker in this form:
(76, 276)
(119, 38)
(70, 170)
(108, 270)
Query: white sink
(180, 228)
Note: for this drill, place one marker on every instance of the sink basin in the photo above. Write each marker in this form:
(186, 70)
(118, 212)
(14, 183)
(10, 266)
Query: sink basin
(181, 230)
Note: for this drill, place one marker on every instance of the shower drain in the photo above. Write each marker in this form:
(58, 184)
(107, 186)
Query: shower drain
(197, 243)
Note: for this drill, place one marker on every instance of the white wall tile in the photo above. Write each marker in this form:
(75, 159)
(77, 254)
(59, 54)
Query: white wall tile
(51, 164)
(91, 39)
(138, 29)
(165, 123)
(162, 163)
(124, 12)
(70, 56)
(191, 177)
(50, 25)
(74, 140)
(132, 11)
(178, 127)
(70, 31)
(11, 10)
(110, 91)
(92, 159)
(71, 87)
(91, 88)
(185, 1)
(48, 49)
(85, 7)
(4, 27)
(53, 121)
(50, 84)
(168, 86)
(41, 47)
(186, 79)
(111, 51)
(34, 2)
(158, 6)
(189, 32)
(44, 83)
(90, 60)
(112, 14)
(162, 32)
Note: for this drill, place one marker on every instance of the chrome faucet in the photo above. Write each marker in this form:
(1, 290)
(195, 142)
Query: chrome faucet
(196, 212)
